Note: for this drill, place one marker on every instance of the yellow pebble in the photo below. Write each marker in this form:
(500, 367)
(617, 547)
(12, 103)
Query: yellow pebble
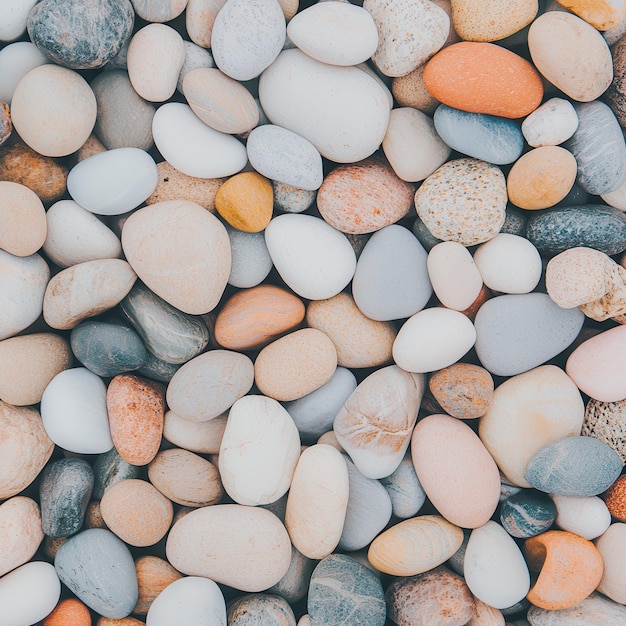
(246, 202)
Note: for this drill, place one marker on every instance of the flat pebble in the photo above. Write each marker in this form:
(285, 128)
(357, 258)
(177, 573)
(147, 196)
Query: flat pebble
(463, 390)
(109, 468)
(594, 610)
(550, 124)
(527, 513)
(259, 608)
(246, 202)
(491, 21)
(588, 517)
(20, 531)
(23, 224)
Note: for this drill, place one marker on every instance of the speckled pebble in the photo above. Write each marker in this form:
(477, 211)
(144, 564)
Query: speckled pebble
(259, 608)
(615, 499)
(550, 124)
(606, 421)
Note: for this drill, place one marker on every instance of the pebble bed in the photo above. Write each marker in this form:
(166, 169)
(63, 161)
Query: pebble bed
(311, 313)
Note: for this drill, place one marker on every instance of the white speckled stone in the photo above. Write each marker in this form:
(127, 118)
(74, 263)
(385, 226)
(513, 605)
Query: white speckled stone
(251, 261)
(16, 60)
(554, 122)
(291, 199)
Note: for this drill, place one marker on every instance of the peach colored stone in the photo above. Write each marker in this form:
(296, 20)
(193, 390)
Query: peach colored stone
(410, 91)
(93, 516)
(246, 201)
(601, 14)
(153, 575)
(20, 532)
(92, 146)
(615, 499)
(612, 548)
(570, 568)
(69, 612)
(125, 621)
(201, 437)
(200, 16)
(484, 78)
(256, 316)
(23, 223)
(136, 408)
(363, 197)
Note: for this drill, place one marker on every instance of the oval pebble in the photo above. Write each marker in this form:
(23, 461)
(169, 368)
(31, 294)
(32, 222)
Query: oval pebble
(23, 223)
(201, 437)
(262, 609)
(20, 532)
(250, 258)
(527, 514)
(612, 547)
(246, 202)
(550, 124)
(14, 25)
(588, 517)
(615, 499)
(71, 611)
(16, 60)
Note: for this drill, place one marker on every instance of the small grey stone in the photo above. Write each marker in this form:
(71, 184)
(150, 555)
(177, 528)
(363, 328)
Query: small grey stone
(514, 222)
(255, 609)
(293, 586)
(405, 490)
(251, 261)
(457, 560)
(158, 369)
(195, 57)
(424, 236)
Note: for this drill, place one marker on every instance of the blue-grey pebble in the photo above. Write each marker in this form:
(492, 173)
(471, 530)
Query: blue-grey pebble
(158, 369)
(64, 492)
(594, 226)
(98, 568)
(168, 333)
(293, 586)
(368, 512)
(527, 513)
(515, 221)
(391, 279)
(517, 332)
(250, 261)
(424, 236)
(598, 145)
(574, 466)
(493, 139)
(315, 413)
(256, 609)
(457, 560)
(81, 34)
(108, 469)
(405, 490)
(344, 592)
(108, 348)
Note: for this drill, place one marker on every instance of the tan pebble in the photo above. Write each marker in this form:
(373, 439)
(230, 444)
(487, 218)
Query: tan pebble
(485, 615)
(360, 341)
(125, 621)
(28, 363)
(185, 478)
(246, 202)
(295, 365)
(136, 408)
(410, 91)
(6, 126)
(601, 14)
(616, 98)
(24, 448)
(20, 532)
(415, 545)
(541, 178)
(93, 516)
(200, 437)
(305, 620)
(21, 164)
(153, 575)
(51, 545)
(606, 421)
(612, 548)
(92, 146)
(70, 296)
(174, 185)
(363, 197)
(200, 16)
(23, 223)
(289, 7)
(329, 438)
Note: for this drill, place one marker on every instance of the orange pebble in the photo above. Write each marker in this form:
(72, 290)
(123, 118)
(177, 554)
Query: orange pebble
(615, 499)
(570, 568)
(484, 78)
(246, 202)
(125, 621)
(153, 575)
(69, 612)
(482, 297)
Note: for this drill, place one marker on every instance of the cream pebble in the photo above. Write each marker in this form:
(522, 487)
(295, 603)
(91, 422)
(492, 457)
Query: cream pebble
(550, 124)
(20, 532)
(23, 224)
(588, 517)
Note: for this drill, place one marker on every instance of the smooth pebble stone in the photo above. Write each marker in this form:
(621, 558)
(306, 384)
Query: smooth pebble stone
(343, 591)
(616, 198)
(110, 468)
(463, 390)
(375, 423)
(193, 148)
(74, 412)
(485, 615)
(181, 252)
(514, 222)
(588, 517)
(317, 501)
(250, 258)
(166, 332)
(600, 14)
(224, 554)
(75, 235)
(614, 94)
(528, 412)
(292, 199)
(393, 250)
(294, 242)
(433, 339)
(456, 471)
(209, 384)
(20, 532)
(541, 178)
(199, 18)
(60, 124)
(594, 610)
(550, 124)
(574, 466)
(526, 514)
(92, 146)
(586, 70)
(153, 576)
(159, 10)
(245, 201)
(124, 118)
(70, 297)
(23, 224)
(259, 608)
(494, 567)
(404, 489)
(69, 611)
(99, 569)
(593, 366)
(438, 597)
(155, 55)
(491, 21)
(359, 340)
(294, 585)
(453, 275)
(518, 332)
(484, 78)
(220, 101)
(20, 604)
(487, 137)
(342, 111)
(615, 499)
(569, 569)
(6, 125)
(200, 437)
(463, 201)
(196, 58)
(14, 22)
(258, 452)
(612, 548)
(157, 369)
(410, 91)
(605, 421)
(412, 145)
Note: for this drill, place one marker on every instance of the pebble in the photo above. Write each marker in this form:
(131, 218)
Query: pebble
(294, 585)
(69, 297)
(250, 258)
(199, 18)
(292, 199)
(223, 555)
(527, 514)
(588, 517)
(528, 412)
(23, 224)
(19, 604)
(153, 576)
(159, 11)
(185, 478)
(200, 437)
(196, 57)
(246, 202)
(550, 124)
(614, 94)
(484, 78)
(294, 242)
(606, 421)
(342, 111)
(64, 494)
(16, 60)
(259, 608)
(595, 610)
(6, 125)
(74, 412)
(69, 611)
(612, 546)
(410, 91)
(98, 568)
(569, 567)
(14, 24)
(343, 591)
(20, 532)
(493, 139)
(109, 468)
(187, 240)
(463, 201)
(585, 70)
(615, 498)
(374, 425)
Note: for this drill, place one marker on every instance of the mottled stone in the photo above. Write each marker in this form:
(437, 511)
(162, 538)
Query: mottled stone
(6, 126)
(463, 390)
(606, 421)
(526, 514)
(617, 90)
(22, 220)
(615, 499)
(292, 199)
(109, 468)
(260, 608)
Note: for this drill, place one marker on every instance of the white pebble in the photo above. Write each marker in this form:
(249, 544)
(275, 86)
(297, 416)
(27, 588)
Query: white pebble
(587, 517)
(16, 60)
(554, 122)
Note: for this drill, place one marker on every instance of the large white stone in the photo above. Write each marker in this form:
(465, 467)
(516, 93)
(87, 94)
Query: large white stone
(14, 16)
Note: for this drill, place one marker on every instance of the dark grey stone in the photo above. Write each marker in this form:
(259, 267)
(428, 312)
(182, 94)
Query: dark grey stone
(424, 236)
(515, 222)
(158, 370)
(527, 514)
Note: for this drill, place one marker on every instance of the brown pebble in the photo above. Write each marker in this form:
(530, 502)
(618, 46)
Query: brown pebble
(153, 575)
(615, 499)
(6, 126)
(410, 91)
(51, 545)
(91, 147)
(93, 516)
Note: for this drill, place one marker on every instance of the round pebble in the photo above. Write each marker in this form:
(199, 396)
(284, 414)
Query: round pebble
(258, 608)
(246, 201)
(20, 530)
(69, 611)
(588, 517)
(550, 124)
(23, 224)
(250, 258)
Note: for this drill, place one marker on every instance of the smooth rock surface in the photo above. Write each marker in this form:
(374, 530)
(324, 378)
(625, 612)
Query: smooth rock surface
(612, 545)
(23, 224)
(20, 531)
(550, 124)
(153, 576)
(294, 585)
(250, 258)
(16, 60)
(526, 514)
(588, 517)
(259, 608)
(246, 202)
(491, 21)
(200, 437)
(109, 468)
(594, 610)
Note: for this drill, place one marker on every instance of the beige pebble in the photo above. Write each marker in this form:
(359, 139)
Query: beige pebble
(410, 91)
(22, 219)
(92, 146)
(199, 18)
(329, 438)
(485, 615)
(612, 547)
(200, 437)
(20, 532)
(153, 575)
